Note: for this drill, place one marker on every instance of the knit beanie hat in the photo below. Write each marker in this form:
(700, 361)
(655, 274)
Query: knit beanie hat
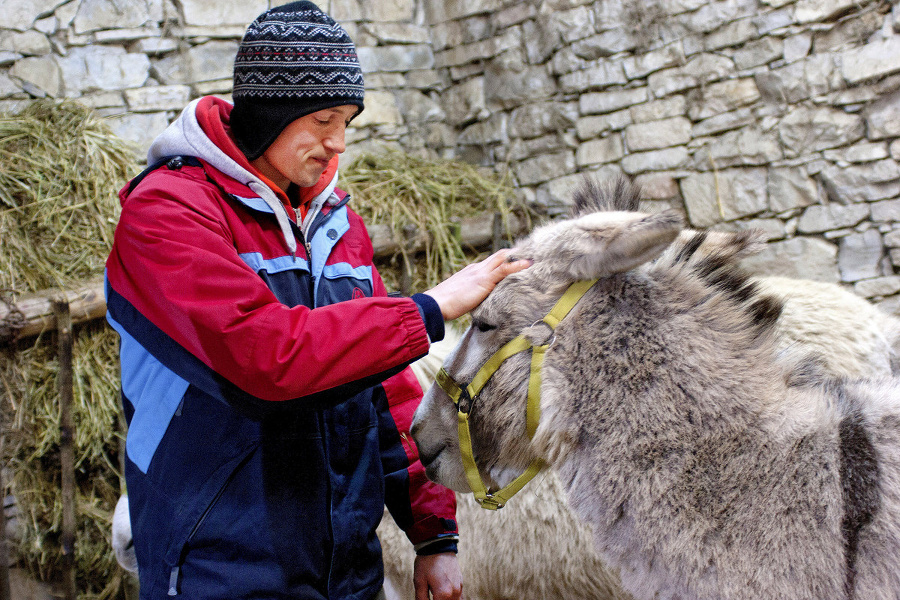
(294, 60)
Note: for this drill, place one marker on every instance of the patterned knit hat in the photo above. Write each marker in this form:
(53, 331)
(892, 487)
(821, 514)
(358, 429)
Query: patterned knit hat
(294, 60)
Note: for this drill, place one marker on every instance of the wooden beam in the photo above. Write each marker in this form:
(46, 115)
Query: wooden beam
(88, 302)
(85, 304)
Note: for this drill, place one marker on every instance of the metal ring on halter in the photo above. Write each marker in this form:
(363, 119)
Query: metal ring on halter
(466, 401)
(550, 340)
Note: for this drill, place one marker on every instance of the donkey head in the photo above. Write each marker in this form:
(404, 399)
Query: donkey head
(604, 239)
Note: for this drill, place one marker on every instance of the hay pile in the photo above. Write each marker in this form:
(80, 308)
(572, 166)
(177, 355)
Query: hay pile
(60, 171)
(404, 191)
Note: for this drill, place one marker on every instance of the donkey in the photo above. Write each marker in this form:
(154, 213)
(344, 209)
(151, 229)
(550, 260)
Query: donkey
(707, 463)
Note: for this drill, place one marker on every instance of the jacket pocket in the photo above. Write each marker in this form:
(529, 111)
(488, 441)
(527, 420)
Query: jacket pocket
(207, 499)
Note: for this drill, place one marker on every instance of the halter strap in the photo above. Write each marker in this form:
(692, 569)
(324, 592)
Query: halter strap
(464, 396)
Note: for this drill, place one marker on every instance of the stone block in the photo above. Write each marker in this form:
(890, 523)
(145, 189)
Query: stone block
(814, 76)
(439, 12)
(606, 43)
(508, 89)
(747, 146)
(895, 150)
(639, 66)
(140, 129)
(847, 34)
(658, 134)
(491, 131)
(573, 24)
(513, 15)
(29, 43)
(21, 14)
(40, 75)
(886, 211)
(8, 87)
(819, 218)
(892, 238)
(727, 195)
(464, 102)
(544, 168)
(601, 151)
(759, 52)
(607, 102)
(533, 120)
(387, 11)
(733, 33)
(157, 98)
(417, 107)
(862, 152)
(156, 46)
(797, 47)
(595, 126)
(398, 33)
(878, 287)
(862, 183)
(859, 256)
(809, 11)
(546, 144)
(790, 188)
(205, 62)
(655, 160)
(772, 20)
(875, 59)
(673, 106)
(399, 58)
(381, 109)
(94, 15)
(804, 130)
(722, 97)
(602, 75)
(797, 258)
(657, 186)
(724, 122)
(883, 117)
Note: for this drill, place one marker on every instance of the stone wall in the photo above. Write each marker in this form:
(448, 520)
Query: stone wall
(782, 115)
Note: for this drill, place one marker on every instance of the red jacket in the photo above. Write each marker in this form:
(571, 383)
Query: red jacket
(278, 342)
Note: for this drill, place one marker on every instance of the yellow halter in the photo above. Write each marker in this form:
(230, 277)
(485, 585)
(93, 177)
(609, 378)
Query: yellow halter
(464, 396)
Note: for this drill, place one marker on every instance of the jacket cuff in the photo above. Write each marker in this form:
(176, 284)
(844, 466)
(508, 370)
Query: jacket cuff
(431, 315)
(439, 545)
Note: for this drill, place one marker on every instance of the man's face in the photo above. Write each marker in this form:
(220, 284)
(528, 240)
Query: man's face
(303, 150)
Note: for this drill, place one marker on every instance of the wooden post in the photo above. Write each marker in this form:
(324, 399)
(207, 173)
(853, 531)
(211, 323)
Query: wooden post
(66, 442)
(5, 593)
(497, 232)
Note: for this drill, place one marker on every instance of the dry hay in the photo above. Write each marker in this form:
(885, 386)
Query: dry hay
(61, 170)
(430, 196)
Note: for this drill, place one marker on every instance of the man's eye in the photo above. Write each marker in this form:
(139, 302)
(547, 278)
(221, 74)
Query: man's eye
(482, 326)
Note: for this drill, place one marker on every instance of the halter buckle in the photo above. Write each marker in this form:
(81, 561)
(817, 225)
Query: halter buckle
(466, 401)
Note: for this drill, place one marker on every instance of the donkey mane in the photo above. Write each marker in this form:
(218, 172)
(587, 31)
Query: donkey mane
(591, 196)
(722, 276)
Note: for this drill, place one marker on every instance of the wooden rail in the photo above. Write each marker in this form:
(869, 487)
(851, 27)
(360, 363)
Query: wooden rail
(88, 302)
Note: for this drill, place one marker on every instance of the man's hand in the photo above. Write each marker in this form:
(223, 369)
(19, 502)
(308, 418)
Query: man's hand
(438, 574)
(467, 288)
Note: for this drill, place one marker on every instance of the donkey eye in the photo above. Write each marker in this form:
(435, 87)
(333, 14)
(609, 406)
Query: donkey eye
(482, 326)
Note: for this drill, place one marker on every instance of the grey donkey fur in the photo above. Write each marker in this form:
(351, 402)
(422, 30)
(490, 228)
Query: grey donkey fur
(708, 463)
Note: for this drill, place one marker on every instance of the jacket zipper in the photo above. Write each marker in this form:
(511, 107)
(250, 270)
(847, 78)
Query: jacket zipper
(176, 570)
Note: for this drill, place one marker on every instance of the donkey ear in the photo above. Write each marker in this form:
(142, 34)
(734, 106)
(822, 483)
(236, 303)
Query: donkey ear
(622, 241)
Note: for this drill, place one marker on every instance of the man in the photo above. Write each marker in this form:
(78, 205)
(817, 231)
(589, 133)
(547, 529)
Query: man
(263, 365)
